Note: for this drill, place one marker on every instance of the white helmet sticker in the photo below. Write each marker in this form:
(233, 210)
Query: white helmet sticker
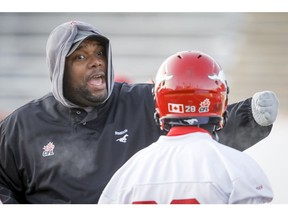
(220, 76)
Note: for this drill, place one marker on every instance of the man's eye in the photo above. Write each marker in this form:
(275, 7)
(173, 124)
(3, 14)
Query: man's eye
(100, 53)
(80, 57)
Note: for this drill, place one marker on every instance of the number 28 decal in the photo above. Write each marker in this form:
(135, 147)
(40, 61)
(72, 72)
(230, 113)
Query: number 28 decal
(190, 109)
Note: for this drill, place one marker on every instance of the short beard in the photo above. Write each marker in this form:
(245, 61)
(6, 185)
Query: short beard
(83, 97)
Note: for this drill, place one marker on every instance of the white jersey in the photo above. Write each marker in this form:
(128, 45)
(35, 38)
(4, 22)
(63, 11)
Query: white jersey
(190, 168)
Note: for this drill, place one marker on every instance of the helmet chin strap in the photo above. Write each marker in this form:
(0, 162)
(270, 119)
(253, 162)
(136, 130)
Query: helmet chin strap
(214, 134)
(156, 118)
(224, 120)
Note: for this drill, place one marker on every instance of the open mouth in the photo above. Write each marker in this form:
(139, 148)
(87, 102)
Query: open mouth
(97, 81)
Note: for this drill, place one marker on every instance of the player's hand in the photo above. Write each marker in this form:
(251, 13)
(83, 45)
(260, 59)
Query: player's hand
(265, 107)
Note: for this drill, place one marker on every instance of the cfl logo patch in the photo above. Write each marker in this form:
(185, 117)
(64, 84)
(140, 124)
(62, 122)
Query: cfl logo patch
(175, 108)
(204, 106)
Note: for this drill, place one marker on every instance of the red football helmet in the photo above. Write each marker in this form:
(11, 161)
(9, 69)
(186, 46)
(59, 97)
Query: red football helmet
(191, 89)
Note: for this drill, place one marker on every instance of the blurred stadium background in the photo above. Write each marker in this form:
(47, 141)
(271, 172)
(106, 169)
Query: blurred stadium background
(251, 47)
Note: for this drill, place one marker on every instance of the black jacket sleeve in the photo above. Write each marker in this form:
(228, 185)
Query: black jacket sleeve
(241, 130)
(9, 174)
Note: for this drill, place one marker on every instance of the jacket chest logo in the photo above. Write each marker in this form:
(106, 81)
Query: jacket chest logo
(123, 136)
(48, 149)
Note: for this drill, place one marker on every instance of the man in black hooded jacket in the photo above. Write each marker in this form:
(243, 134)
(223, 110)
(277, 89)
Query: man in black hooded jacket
(65, 146)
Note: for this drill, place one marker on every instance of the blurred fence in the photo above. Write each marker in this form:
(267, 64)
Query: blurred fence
(251, 47)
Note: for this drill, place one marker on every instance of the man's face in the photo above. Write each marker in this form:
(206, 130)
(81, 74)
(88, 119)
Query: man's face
(85, 73)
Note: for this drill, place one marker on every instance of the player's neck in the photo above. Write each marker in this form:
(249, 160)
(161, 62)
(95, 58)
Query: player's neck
(181, 130)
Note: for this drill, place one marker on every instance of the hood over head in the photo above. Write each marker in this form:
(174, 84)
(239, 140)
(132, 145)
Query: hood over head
(63, 41)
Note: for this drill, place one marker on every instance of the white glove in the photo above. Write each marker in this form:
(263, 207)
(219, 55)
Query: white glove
(265, 107)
